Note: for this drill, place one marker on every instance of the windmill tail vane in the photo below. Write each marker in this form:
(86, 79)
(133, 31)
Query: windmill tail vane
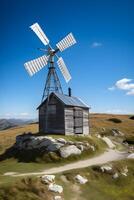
(35, 65)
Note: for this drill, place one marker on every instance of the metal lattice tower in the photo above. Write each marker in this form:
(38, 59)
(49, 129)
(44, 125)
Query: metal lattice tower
(52, 82)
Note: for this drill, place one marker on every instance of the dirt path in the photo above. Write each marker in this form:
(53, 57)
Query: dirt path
(110, 155)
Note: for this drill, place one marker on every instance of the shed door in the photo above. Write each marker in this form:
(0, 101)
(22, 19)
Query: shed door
(78, 121)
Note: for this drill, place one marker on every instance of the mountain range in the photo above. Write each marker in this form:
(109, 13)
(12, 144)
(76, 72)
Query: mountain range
(9, 123)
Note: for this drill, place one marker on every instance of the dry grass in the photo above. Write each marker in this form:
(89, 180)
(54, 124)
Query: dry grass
(27, 188)
(7, 137)
(99, 121)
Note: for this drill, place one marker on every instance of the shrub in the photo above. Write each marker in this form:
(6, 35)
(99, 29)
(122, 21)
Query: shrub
(115, 120)
(129, 140)
(132, 117)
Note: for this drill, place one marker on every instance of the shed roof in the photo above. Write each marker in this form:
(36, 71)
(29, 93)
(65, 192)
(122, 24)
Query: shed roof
(68, 101)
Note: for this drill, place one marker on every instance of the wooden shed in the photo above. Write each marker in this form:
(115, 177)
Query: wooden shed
(63, 114)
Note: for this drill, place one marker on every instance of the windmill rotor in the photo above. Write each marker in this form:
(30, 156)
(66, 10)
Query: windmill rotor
(35, 65)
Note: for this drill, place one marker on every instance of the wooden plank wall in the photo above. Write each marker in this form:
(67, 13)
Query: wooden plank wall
(55, 121)
(76, 121)
(69, 121)
(85, 122)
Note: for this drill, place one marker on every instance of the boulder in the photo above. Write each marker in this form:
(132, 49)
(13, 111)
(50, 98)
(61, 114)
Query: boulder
(69, 150)
(54, 146)
(116, 175)
(92, 148)
(108, 142)
(124, 171)
(116, 132)
(106, 168)
(57, 198)
(81, 179)
(98, 136)
(70, 142)
(81, 147)
(55, 188)
(79, 143)
(62, 140)
(48, 178)
(131, 156)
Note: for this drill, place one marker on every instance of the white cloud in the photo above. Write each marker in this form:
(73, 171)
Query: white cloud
(111, 88)
(96, 44)
(131, 92)
(115, 111)
(24, 114)
(124, 84)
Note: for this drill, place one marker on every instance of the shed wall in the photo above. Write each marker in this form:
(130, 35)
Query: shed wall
(51, 118)
(76, 120)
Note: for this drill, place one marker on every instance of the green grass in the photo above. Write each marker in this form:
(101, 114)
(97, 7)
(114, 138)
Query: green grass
(48, 161)
(100, 186)
(25, 189)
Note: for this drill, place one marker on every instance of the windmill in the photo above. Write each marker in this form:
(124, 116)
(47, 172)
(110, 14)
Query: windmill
(52, 82)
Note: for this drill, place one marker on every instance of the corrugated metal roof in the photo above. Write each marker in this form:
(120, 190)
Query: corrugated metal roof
(71, 101)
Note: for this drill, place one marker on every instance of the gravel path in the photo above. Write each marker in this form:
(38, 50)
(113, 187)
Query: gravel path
(110, 155)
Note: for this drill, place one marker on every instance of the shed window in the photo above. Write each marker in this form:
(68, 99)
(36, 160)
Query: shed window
(52, 109)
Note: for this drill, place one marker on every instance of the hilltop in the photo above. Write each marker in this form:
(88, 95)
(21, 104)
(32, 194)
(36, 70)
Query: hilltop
(98, 183)
(9, 123)
(97, 123)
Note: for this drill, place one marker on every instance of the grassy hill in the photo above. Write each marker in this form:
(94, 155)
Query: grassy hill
(99, 187)
(97, 123)
(9, 123)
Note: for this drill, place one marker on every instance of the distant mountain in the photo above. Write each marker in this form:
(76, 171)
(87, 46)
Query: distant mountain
(9, 123)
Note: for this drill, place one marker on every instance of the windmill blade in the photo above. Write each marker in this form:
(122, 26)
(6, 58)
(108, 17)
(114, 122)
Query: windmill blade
(66, 42)
(64, 69)
(39, 32)
(35, 65)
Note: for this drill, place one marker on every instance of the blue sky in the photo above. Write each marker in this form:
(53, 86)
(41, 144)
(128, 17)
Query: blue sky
(101, 63)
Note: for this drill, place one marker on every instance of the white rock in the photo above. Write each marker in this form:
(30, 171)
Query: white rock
(81, 147)
(55, 188)
(48, 178)
(125, 171)
(46, 142)
(116, 132)
(92, 147)
(54, 146)
(70, 142)
(69, 150)
(124, 174)
(108, 142)
(98, 136)
(105, 168)
(87, 144)
(62, 140)
(81, 179)
(57, 198)
(115, 175)
(131, 156)
(49, 138)
(79, 143)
